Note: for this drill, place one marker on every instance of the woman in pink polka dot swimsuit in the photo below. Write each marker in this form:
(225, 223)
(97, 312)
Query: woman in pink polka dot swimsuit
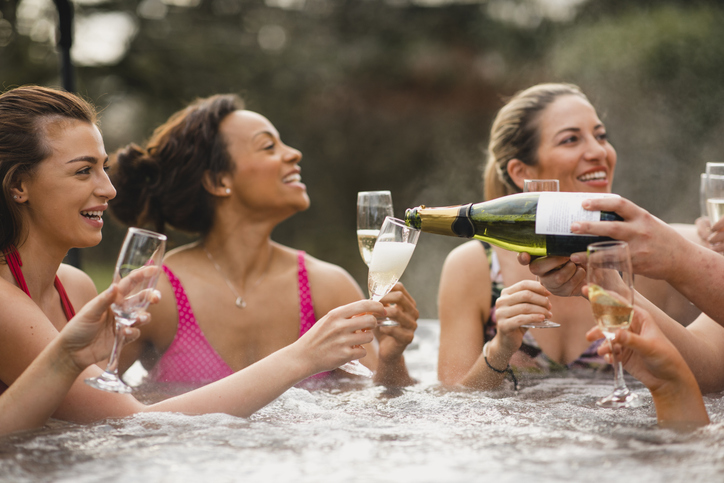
(55, 191)
(234, 296)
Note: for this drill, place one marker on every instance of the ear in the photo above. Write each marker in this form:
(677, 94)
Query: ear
(519, 172)
(216, 185)
(19, 191)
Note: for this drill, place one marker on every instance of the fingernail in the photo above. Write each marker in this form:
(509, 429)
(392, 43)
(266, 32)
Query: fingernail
(575, 226)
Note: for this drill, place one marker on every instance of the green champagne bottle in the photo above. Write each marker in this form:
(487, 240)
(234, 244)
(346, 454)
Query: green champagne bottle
(537, 223)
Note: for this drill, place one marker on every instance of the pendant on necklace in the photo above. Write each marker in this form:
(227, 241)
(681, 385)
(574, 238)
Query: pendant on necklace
(240, 303)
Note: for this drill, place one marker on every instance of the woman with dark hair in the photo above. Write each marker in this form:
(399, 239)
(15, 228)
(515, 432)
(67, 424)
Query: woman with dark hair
(548, 131)
(235, 296)
(54, 192)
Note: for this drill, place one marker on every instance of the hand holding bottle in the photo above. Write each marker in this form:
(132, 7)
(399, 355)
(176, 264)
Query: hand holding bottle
(560, 275)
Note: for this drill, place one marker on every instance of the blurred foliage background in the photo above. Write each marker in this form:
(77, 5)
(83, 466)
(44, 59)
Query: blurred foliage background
(394, 94)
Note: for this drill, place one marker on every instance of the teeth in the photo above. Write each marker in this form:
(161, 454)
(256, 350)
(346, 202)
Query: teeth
(592, 176)
(92, 214)
(292, 178)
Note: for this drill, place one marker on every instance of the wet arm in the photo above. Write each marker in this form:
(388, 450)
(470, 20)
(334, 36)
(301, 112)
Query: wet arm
(464, 303)
(699, 344)
(331, 287)
(38, 392)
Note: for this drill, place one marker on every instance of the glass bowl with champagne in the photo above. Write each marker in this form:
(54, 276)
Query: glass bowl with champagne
(611, 293)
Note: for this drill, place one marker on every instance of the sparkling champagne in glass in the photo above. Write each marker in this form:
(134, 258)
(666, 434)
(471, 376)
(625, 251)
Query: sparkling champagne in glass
(611, 293)
(532, 185)
(372, 209)
(137, 271)
(392, 251)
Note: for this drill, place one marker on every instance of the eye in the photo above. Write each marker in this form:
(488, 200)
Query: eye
(106, 168)
(602, 136)
(269, 147)
(569, 139)
(84, 171)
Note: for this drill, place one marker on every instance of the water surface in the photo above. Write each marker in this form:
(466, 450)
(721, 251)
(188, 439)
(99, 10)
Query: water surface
(549, 431)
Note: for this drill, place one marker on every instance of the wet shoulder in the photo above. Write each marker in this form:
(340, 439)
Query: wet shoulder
(331, 284)
(468, 260)
(78, 285)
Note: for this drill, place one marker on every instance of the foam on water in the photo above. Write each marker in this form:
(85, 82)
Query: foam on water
(550, 430)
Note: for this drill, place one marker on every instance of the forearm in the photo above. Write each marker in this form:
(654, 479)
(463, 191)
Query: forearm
(679, 405)
(700, 353)
(487, 375)
(38, 392)
(246, 391)
(393, 373)
(699, 276)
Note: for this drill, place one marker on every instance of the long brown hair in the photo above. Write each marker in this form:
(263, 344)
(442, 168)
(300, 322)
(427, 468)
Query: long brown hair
(25, 115)
(516, 134)
(161, 184)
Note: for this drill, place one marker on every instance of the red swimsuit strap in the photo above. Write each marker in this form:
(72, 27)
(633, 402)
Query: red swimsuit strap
(64, 300)
(12, 257)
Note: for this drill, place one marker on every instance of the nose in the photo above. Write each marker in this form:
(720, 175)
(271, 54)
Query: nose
(292, 155)
(594, 150)
(104, 187)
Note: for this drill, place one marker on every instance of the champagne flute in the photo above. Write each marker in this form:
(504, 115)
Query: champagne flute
(611, 293)
(702, 195)
(137, 271)
(530, 185)
(372, 209)
(392, 251)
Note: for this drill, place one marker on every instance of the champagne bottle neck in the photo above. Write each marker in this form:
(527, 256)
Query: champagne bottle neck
(448, 220)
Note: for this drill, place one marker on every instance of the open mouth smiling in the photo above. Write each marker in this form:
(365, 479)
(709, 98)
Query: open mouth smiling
(92, 215)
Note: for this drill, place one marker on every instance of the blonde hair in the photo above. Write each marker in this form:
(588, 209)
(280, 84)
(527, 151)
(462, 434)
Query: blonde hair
(516, 135)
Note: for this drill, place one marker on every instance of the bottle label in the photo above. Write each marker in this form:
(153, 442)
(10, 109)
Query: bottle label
(556, 211)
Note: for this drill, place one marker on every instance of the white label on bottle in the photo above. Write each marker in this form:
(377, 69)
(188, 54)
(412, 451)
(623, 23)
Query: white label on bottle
(556, 211)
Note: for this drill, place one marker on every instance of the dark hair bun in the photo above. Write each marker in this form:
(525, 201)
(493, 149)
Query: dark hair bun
(135, 176)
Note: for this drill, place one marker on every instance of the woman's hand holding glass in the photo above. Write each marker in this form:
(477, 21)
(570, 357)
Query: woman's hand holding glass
(137, 271)
(338, 337)
(372, 209)
(535, 185)
(392, 251)
(520, 306)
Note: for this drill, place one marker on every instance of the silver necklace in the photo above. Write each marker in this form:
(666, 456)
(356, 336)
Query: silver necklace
(239, 302)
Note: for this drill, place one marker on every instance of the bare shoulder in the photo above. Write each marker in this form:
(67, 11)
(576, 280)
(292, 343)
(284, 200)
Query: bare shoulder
(465, 282)
(77, 284)
(331, 284)
(469, 261)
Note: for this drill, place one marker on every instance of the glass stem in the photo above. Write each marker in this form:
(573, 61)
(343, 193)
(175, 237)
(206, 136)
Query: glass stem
(112, 366)
(619, 385)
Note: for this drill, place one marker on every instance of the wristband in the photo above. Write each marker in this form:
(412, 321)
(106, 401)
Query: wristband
(507, 370)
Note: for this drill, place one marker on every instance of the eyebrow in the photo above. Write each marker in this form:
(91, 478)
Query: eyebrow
(576, 129)
(268, 133)
(87, 159)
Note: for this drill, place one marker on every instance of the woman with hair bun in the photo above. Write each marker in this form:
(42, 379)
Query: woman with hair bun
(55, 191)
(222, 172)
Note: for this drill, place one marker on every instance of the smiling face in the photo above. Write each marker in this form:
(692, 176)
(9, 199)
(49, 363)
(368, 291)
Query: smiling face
(65, 196)
(267, 177)
(574, 147)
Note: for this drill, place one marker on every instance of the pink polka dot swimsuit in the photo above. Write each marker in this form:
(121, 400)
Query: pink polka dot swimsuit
(190, 358)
